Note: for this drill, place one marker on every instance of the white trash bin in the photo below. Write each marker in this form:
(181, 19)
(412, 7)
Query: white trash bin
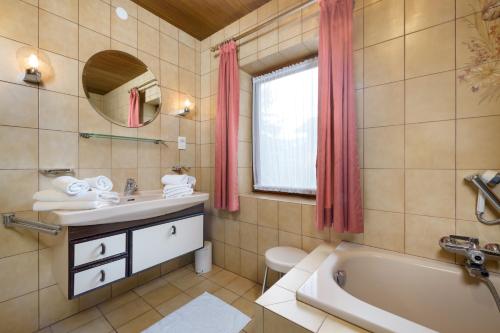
(203, 258)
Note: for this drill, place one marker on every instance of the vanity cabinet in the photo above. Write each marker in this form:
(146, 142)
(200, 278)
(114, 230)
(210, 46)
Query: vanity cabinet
(89, 257)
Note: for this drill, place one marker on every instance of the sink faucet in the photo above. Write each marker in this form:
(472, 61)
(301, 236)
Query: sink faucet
(130, 187)
(475, 258)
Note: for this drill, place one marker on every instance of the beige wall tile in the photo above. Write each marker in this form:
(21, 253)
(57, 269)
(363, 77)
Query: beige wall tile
(357, 30)
(58, 150)
(475, 103)
(430, 98)
(267, 212)
(67, 9)
(17, 241)
(148, 18)
(64, 78)
(248, 210)
(430, 145)
(19, 146)
(149, 178)
(186, 57)
(169, 155)
(248, 236)
(90, 42)
(123, 154)
(359, 69)
(232, 233)
(232, 259)
(469, 29)
(187, 84)
(384, 62)
(244, 154)
(289, 217)
(20, 275)
(430, 51)
(169, 29)
(95, 15)
(10, 71)
(289, 239)
(267, 238)
(58, 35)
(420, 14)
(477, 138)
(149, 155)
(187, 129)
(16, 16)
(20, 314)
(169, 49)
(430, 192)
(148, 39)
(466, 7)
(467, 197)
(308, 213)
(249, 265)
(384, 147)
(25, 114)
(187, 157)
(383, 20)
(422, 233)
(384, 105)
(58, 111)
(90, 120)
(124, 31)
(169, 76)
(94, 153)
(19, 187)
(384, 230)
(384, 189)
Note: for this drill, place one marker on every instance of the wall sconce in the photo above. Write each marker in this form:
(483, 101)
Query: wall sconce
(187, 108)
(33, 62)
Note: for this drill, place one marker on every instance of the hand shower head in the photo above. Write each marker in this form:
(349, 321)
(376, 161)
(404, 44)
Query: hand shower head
(491, 178)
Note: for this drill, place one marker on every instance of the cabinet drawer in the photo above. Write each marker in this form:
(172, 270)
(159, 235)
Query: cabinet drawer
(159, 243)
(97, 249)
(98, 276)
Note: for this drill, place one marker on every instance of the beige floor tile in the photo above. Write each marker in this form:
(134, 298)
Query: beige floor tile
(127, 312)
(76, 321)
(98, 325)
(188, 281)
(226, 295)
(200, 288)
(253, 293)
(140, 323)
(245, 306)
(150, 286)
(161, 294)
(223, 277)
(173, 304)
(117, 302)
(240, 285)
(177, 274)
(215, 269)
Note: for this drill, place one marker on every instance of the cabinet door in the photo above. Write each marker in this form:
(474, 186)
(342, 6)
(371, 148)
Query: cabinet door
(98, 249)
(159, 243)
(98, 276)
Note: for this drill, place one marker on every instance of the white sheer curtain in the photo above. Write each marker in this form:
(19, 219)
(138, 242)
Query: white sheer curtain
(285, 114)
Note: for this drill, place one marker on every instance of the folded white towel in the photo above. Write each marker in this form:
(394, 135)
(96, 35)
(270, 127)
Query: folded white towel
(191, 181)
(102, 183)
(167, 188)
(91, 195)
(40, 206)
(176, 193)
(174, 179)
(70, 185)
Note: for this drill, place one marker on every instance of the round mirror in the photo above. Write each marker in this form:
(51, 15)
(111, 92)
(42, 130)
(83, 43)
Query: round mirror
(121, 88)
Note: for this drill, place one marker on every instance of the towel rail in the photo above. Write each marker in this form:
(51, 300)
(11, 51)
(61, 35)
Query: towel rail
(11, 221)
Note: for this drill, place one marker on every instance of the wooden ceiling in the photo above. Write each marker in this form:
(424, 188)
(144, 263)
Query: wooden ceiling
(110, 69)
(200, 18)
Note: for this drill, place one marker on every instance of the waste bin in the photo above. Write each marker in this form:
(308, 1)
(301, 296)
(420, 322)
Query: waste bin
(203, 258)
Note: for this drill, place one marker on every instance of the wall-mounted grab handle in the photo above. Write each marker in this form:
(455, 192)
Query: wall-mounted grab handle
(484, 193)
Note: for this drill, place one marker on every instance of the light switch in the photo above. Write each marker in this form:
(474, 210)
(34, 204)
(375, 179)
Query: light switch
(181, 142)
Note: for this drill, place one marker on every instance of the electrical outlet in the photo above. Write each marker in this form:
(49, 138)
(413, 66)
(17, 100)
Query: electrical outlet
(181, 142)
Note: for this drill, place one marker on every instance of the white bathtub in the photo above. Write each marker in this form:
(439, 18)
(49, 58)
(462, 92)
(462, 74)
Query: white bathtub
(391, 292)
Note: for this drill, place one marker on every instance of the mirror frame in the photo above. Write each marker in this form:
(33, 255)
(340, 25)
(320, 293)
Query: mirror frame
(104, 115)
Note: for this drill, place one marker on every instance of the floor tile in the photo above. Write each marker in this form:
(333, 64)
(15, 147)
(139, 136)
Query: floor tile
(140, 323)
(200, 288)
(240, 285)
(223, 278)
(161, 294)
(226, 295)
(127, 312)
(98, 325)
(173, 304)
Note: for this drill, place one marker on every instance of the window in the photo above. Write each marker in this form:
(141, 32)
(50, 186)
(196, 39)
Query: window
(285, 116)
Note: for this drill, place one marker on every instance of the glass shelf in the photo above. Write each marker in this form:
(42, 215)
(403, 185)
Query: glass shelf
(119, 137)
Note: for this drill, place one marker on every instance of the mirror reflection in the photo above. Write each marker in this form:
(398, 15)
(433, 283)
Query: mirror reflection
(121, 88)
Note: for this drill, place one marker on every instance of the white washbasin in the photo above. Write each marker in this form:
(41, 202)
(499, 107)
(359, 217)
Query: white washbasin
(143, 205)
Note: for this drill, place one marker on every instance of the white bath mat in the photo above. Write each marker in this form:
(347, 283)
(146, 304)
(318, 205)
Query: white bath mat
(204, 314)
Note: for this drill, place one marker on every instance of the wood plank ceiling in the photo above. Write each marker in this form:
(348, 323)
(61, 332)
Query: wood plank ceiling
(200, 18)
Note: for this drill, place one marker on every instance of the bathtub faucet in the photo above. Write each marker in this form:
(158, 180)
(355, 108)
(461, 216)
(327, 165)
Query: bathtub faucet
(475, 258)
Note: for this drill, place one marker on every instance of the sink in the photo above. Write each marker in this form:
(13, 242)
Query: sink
(143, 205)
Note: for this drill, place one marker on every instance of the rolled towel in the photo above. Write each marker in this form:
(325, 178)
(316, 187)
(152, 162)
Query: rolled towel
(102, 183)
(179, 192)
(70, 185)
(40, 206)
(91, 195)
(167, 188)
(174, 179)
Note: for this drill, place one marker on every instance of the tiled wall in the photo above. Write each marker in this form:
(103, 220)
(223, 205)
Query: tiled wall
(421, 130)
(39, 129)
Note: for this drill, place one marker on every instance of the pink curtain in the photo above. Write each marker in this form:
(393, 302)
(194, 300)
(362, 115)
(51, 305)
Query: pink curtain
(338, 195)
(133, 108)
(226, 130)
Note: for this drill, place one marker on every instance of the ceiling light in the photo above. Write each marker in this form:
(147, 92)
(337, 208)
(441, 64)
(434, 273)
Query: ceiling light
(121, 13)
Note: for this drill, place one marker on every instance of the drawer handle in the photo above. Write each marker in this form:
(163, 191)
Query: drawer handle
(174, 230)
(103, 249)
(103, 276)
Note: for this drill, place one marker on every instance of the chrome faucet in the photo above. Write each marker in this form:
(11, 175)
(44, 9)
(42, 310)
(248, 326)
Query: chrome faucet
(130, 187)
(475, 258)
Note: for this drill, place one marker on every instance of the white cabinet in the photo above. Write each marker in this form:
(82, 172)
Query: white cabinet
(98, 276)
(155, 244)
(98, 249)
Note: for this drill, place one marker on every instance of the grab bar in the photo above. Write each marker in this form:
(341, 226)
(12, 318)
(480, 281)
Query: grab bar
(11, 221)
(491, 197)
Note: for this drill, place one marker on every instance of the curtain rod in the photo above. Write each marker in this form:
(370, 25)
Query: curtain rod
(265, 23)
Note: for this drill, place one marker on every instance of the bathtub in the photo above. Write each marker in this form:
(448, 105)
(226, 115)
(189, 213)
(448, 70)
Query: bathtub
(389, 292)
